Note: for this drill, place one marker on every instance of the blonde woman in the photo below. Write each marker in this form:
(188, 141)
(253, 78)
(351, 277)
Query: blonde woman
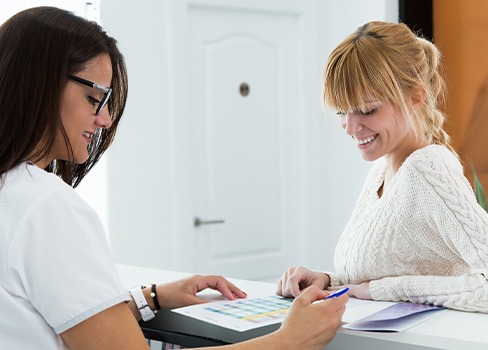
(417, 233)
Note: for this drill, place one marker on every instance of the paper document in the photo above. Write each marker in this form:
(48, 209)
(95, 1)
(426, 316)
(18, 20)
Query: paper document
(395, 318)
(366, 315)
(241, 314)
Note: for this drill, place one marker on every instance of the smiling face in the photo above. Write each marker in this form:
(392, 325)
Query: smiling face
(380, 130)
(78, 111)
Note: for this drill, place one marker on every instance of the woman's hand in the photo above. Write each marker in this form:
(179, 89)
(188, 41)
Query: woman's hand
(184, 292)
(359, 291)
(311, 323)
(296, 279)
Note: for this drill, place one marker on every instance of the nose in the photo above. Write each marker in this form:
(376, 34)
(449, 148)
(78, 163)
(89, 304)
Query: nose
(103, 119)
(351, 123)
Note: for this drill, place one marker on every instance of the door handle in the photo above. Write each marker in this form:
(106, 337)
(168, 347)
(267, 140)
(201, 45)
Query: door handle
(197, 222)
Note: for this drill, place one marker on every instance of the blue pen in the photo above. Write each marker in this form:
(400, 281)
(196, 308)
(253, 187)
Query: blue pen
(337, 293)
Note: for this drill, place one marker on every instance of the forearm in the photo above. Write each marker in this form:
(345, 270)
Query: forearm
(466, 292)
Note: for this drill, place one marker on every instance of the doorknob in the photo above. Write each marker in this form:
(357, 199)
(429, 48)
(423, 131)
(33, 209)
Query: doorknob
(199, 222)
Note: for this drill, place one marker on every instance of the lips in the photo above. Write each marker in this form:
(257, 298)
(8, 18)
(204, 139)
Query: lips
(365, 140)
(87, 135)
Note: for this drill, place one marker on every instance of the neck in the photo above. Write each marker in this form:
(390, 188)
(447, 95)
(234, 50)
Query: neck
(395, 160)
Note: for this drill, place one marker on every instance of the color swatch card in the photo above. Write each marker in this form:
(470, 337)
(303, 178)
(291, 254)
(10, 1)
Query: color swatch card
(241, 314)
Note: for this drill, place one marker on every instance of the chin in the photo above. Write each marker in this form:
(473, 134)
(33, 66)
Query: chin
(80, 159)
(371, 157)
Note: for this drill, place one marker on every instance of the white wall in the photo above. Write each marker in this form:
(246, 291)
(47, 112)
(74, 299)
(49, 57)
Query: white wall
(140, 208)
(140, 212)
(136, 205)
(9, 7)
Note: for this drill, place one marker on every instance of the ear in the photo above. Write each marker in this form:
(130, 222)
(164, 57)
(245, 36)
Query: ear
(418, 97)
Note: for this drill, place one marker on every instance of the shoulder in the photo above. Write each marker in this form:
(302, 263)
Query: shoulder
(436, 164)
(434, 158)
(27, 185)
(53, 237)
(434, 169)
(39, 204)
(435, 181)
(28, 181)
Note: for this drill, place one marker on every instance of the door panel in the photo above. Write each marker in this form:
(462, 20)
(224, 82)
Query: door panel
(242, 152)
(244, 171)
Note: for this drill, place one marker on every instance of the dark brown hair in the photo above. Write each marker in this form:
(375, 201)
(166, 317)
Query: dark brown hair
(39, 48)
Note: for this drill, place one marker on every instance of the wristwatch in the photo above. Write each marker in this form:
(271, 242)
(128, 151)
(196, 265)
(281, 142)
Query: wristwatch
(146, 312)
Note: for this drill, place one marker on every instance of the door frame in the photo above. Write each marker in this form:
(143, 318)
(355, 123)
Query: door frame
(311, 220)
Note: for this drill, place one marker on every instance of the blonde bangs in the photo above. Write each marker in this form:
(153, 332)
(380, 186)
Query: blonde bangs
(355, 75)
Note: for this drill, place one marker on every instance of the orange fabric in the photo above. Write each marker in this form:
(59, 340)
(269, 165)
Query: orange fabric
(474, 147)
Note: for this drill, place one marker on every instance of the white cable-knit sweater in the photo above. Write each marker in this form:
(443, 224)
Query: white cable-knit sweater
(425, 240)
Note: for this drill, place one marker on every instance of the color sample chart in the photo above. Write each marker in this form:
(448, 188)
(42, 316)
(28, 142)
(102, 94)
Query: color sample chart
(240, 314)
(259, 310)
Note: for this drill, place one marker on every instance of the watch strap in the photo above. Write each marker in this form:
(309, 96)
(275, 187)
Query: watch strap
(141, 302)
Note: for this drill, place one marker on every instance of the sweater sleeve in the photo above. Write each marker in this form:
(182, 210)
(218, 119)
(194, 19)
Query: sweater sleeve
(457, 228)
(334, 280)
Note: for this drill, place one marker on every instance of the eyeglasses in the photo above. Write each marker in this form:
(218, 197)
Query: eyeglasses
(106, 91)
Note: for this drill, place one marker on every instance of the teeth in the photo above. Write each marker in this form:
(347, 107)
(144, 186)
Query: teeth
(86, 134)
(364, 141)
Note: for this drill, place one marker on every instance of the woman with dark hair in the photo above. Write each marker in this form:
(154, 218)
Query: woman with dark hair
(41, 50)
(63, 89)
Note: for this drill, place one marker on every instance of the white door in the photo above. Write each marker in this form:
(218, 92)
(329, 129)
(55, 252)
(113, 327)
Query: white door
(241, 131)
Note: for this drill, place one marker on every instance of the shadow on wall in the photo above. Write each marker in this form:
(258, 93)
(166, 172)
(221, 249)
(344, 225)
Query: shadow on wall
(474, 147)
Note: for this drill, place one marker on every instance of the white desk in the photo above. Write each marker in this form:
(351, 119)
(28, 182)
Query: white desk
(450, 330)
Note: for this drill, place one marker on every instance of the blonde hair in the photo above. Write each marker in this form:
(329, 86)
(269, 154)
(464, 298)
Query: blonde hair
(388, 62)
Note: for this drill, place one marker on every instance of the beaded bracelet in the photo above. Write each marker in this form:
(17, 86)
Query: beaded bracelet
(154, 296)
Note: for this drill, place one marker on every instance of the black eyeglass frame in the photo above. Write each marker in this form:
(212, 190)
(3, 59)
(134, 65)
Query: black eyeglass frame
(106, 91)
